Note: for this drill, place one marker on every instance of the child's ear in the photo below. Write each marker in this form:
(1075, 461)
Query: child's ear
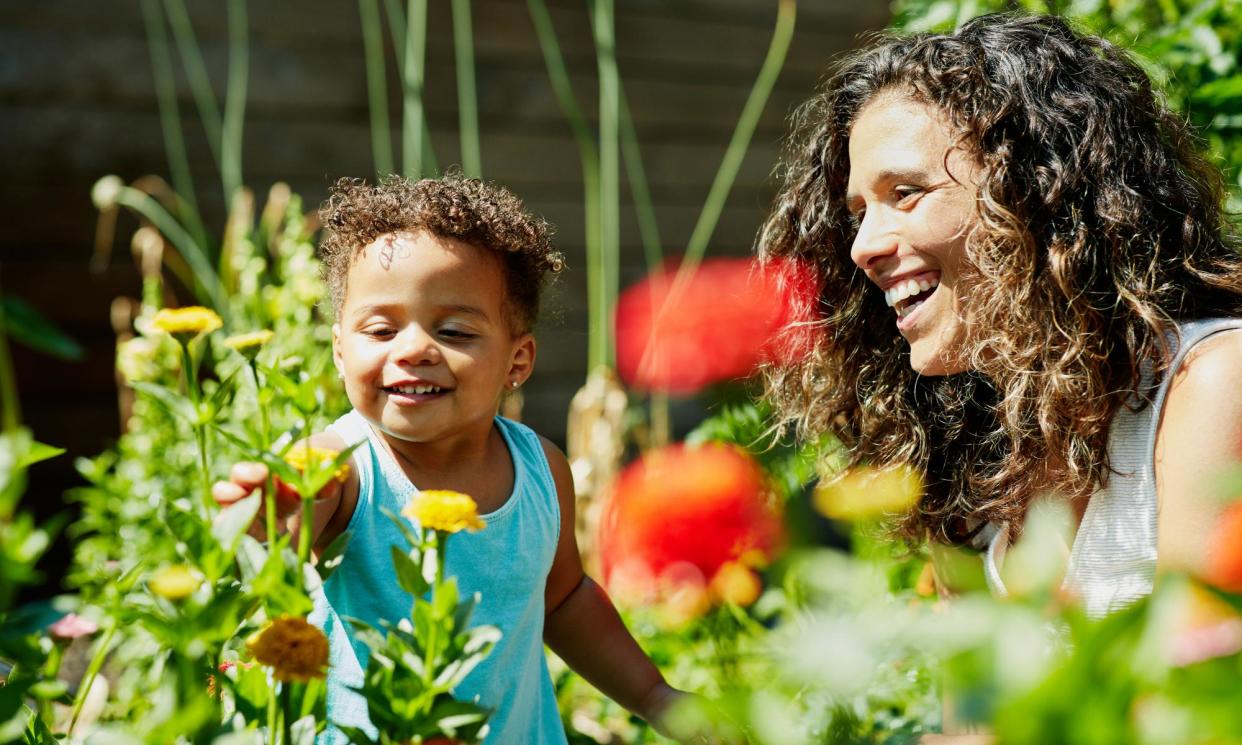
(336, 350)
(522, 363)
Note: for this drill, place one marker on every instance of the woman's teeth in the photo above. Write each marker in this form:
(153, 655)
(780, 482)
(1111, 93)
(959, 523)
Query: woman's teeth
(902, 296)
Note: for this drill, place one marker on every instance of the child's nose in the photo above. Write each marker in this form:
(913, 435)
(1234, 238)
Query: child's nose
(415, 346)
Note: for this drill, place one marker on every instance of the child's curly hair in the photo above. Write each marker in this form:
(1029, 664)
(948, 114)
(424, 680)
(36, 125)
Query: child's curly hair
(1101, 225)
(480, 213)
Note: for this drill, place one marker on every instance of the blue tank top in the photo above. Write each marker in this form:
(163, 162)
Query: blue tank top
(507, 563)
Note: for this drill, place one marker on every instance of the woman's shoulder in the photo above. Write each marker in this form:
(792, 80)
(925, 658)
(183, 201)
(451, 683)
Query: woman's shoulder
(1199, 436)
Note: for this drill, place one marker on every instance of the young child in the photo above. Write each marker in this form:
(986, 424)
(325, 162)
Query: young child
(435, 287)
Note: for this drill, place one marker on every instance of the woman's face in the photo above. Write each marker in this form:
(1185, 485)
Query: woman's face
(912, 195)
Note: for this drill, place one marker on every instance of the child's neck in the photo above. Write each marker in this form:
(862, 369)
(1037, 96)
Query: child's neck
(478, 464)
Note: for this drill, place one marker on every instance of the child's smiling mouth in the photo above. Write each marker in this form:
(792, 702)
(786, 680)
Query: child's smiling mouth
(414, 393)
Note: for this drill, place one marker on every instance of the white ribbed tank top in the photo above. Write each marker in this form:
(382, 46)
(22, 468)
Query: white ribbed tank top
(1113, 559)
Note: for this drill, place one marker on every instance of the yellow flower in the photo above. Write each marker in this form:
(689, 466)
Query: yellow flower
(293, 648)
(176, 582)
(301, 456)
(867, 492)
(736, 583)
(248, 342)
(447, 511)
(192, 320)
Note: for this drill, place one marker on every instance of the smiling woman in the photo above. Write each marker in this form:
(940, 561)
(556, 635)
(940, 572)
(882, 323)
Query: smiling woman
(1029, 287)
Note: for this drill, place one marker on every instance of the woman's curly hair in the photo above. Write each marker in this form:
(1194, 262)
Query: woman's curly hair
(480, 213)
(1100, 226)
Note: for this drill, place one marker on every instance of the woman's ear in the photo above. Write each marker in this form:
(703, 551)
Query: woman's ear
(522, 362)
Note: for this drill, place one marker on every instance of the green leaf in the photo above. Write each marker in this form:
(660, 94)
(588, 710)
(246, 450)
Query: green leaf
(176, 404)
(37, 453)
(231, 522)
(24, 324)
(1220, 92)
(405, 526)
(356, 736)
(409, 572)
(303, 731)
(332, 556)
(251, 557)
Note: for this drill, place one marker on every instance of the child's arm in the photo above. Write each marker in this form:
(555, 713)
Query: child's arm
(582, 625)
(332, 510)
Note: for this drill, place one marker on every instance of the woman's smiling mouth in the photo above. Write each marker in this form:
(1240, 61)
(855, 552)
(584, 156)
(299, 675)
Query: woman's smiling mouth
(907, 295)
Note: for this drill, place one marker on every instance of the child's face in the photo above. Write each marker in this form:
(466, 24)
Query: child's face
(423, 341)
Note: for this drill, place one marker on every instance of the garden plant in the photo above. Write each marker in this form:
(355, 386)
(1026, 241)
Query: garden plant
(787, 605)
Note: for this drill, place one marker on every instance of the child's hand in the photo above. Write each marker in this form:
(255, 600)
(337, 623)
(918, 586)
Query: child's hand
(685, 718)
(247, 476)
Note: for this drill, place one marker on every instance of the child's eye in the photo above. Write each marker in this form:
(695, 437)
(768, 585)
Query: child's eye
(456, 334)
(379, 332)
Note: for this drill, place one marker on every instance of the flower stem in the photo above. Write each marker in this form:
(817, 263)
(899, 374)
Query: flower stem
(304, 533)
(273, 717)
(286, 708)
(92, 671)
(190, 375)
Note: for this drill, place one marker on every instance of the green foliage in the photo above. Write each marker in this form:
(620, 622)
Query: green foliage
(415, 665)
(1191, 48)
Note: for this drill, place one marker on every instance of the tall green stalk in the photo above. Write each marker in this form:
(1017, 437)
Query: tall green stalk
(12, 414)
(609, 179)
(738, 144)
(170, 120)
(377, 85)
(235, 101)
(559, 77)
(467, 93)
(414, 124)
(397, 27)
(640, 192)
(203, 280)
(196, 74)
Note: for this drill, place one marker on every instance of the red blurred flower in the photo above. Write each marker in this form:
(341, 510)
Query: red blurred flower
(727, 317)
(1224, 561)
(681, 515)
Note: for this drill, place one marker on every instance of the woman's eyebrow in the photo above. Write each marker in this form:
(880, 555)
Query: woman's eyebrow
(887, 175)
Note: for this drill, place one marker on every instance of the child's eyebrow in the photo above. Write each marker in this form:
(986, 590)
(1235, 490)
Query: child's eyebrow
(384, 309)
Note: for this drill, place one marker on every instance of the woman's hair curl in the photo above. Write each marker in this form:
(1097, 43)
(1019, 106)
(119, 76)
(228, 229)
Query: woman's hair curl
(1100, 226)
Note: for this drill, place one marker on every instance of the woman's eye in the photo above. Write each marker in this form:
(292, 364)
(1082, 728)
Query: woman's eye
(907, 194)
(856, 218)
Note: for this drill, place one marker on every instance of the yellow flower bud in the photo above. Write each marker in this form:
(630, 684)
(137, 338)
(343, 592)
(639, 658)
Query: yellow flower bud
(175, 582)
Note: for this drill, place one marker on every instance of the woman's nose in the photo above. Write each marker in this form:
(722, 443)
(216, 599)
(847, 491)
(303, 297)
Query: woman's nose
(873, 242)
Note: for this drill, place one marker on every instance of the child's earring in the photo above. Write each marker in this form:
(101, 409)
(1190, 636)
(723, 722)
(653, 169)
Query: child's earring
(514, 384)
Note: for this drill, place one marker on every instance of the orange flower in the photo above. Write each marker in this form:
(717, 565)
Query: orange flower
(684, 512)
(1224, 561)
(292, 647)
(731, 315)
